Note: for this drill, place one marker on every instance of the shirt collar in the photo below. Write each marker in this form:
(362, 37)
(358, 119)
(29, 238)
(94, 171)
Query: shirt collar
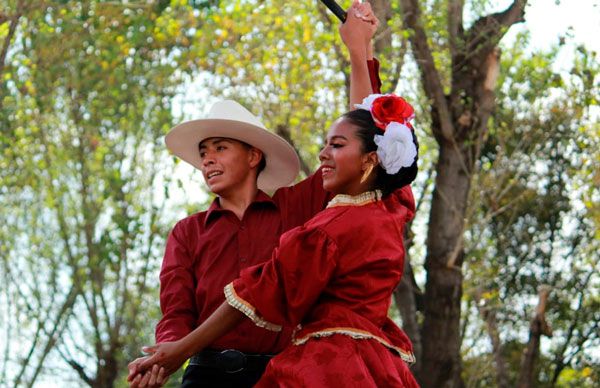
(215, 210)
(355, 200)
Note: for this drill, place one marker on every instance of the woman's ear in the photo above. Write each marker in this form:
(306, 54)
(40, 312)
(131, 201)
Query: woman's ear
(370, 158)
(370, 161)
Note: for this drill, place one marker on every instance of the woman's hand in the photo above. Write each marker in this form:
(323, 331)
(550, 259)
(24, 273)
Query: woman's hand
(168, 355)
(364, 12)
(359, 28)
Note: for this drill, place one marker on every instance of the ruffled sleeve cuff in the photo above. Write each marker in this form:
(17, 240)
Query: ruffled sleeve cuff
(247, 309)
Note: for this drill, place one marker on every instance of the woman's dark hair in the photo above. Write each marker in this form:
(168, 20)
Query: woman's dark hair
(366, 131)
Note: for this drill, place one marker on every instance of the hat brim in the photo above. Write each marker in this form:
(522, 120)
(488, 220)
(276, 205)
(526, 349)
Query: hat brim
(282, 163)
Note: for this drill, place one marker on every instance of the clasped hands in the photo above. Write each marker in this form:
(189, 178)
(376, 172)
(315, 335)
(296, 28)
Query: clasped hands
(353, 31)
(154, 370)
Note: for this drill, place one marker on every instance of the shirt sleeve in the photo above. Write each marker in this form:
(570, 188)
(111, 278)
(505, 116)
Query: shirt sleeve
(177, 290)
(282, 290)
(300, 202)
(373, 65)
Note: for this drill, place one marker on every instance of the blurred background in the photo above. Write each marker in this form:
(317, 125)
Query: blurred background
(501, 284)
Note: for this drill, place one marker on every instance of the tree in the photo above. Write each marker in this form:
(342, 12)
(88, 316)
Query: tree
(461, 105)
(89, 95)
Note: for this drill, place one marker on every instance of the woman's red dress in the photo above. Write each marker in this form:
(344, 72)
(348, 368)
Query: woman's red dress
(333, 278)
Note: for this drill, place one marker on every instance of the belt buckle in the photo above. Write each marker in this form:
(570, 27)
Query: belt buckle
(232, 361)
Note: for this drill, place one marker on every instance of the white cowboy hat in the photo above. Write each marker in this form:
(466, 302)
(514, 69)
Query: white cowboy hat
(229, 119)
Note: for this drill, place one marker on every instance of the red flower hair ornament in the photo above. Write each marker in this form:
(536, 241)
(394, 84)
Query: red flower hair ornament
(396, 148)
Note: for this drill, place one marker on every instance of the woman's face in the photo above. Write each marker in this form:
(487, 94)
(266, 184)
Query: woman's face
(343, 161)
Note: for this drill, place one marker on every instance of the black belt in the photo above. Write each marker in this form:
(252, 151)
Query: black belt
(230, 360)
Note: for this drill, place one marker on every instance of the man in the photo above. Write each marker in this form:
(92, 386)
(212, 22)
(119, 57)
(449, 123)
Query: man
(239, 159)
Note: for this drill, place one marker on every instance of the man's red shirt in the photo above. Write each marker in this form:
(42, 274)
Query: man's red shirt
(207, 250)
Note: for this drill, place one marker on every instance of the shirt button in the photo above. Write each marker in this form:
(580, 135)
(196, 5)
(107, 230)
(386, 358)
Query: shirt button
(243, 259)
(242, 227)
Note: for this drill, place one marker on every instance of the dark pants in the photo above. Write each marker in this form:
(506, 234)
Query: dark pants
(206, 377)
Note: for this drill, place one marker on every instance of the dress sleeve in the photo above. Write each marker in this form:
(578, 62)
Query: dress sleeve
(177, 291)
(300, 202)
(401, 202)
(373, 65)
(282, 290)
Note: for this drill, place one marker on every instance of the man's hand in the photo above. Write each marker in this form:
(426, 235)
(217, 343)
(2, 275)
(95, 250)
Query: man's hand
(134, 367)
(153, 378)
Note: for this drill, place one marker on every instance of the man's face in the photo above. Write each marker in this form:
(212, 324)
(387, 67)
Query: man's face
(226, 164)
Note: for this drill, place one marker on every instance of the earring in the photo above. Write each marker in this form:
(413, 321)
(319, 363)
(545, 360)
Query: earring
(367, 173)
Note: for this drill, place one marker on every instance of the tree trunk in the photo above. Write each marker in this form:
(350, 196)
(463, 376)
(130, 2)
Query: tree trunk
(443, 292)
(107, 372)
(383, 39)
(538, 327)
(406, 301)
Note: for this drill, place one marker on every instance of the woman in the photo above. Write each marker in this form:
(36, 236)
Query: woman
(334, 276)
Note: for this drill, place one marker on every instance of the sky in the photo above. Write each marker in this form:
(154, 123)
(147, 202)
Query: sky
(546, 20)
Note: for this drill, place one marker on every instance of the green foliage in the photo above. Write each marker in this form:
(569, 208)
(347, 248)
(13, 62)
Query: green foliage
(270, 57)
(89, 91)
(530, 228)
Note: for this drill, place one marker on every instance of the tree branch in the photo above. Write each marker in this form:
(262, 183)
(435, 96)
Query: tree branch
(486, 32)
(284, 131)
(488, 313)
(407, 298)
(382, 42)
(27, 359)
(8, 306)
(14, 21)
(538, 327)
(340, 56)
(559, 359)
(59, 325)
(78, 368)
(432, 83)
(455, 24)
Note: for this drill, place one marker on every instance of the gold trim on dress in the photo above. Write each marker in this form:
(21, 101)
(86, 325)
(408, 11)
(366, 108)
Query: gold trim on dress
(355, 200)
(247, 309)
(408, 357)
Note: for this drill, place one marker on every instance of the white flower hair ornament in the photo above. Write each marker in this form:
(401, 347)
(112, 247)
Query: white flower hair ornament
(395, 148)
